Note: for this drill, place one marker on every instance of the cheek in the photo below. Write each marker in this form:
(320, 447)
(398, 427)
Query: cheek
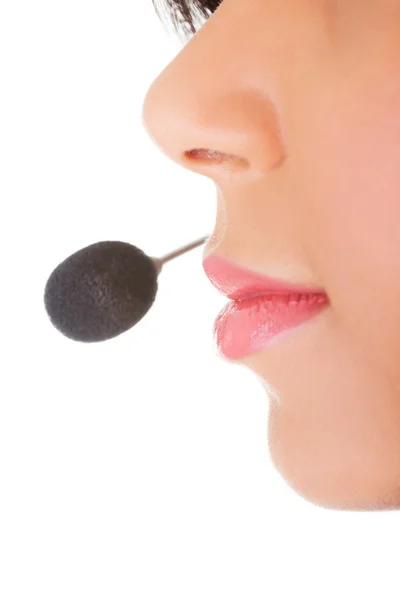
(354, 206)
(336, 440)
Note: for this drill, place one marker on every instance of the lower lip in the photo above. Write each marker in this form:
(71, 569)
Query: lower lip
(246, 326)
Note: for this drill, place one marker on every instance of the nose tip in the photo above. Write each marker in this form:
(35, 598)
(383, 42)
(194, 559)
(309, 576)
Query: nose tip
(211, 124)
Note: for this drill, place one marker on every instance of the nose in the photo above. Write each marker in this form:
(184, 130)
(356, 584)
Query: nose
(212, 109)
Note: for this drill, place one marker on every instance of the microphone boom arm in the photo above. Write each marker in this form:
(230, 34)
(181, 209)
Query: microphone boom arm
(161, 261)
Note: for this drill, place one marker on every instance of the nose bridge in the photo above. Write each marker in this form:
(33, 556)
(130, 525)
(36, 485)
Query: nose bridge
(212, 108)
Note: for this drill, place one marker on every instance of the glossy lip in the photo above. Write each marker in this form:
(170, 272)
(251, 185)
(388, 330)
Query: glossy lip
(238, 283)
(247, 326)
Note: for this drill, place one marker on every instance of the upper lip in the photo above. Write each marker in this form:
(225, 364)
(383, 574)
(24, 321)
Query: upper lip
(238, 283)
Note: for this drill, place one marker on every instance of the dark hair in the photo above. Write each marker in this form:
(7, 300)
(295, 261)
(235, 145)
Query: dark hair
(184, 13)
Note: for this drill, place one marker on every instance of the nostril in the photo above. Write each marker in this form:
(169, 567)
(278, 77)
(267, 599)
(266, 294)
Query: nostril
(203, 154)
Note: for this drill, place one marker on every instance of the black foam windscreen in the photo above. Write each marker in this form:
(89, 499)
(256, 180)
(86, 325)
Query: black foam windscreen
(101, 291)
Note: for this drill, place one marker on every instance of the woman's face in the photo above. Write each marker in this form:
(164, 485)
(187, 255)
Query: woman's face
(304, 97)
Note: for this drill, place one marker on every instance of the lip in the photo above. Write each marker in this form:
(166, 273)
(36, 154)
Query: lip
(238, 283)
(262, 311)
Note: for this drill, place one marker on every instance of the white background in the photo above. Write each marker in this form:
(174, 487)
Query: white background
(138, 467)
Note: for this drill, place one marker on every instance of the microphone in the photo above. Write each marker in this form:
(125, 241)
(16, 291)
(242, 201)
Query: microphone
(103, 290)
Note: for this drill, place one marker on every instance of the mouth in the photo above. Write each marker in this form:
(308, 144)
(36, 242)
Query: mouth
(262, 310)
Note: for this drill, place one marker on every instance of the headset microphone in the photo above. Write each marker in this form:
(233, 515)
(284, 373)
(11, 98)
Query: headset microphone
(104, 289)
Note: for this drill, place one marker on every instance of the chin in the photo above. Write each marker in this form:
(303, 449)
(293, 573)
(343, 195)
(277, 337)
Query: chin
(333, 495)
(330, 480)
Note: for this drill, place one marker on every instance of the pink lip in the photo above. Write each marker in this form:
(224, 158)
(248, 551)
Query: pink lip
(238, 283)
(262, 309)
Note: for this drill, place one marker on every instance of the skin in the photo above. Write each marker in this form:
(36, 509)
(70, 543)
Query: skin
(301, 99)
